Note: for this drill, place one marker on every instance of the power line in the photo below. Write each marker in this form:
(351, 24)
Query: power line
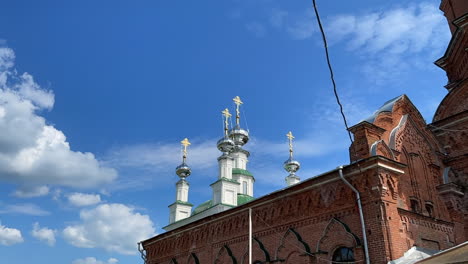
(331, 69)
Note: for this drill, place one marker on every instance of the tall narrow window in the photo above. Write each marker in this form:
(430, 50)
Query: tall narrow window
(244, 187)
(429, 209)
(415, 205)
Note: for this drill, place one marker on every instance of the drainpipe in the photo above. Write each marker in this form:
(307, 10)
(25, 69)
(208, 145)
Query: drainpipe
(361, 215)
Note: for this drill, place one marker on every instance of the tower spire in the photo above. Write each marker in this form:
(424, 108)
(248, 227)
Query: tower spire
(291, 165)
(290, 138)
(226, 115)
(185, 143)
(238, 102)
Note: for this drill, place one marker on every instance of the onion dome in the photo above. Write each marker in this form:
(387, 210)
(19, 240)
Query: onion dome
(225, 144)
(292, 166)
(183, 171)
(239, 135)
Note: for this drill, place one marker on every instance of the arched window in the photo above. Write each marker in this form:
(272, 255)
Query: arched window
(244, 187)
(343, 255)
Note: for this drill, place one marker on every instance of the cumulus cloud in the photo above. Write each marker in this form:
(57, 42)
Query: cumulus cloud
(83, 199)
(202, 154)
(31, 151)
(31, 191)
(113, 227)
(27, 209)
(394, 41)
(397, 30)
(92, 260)
(10, 236)
(44, 234)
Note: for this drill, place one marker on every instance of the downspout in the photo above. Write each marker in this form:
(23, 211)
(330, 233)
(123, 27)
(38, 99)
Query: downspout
(361, 215)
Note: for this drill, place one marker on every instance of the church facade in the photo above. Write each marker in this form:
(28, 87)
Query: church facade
(406, 186)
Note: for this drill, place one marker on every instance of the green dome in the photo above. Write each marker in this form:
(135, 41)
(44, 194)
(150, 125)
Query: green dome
(202, 207)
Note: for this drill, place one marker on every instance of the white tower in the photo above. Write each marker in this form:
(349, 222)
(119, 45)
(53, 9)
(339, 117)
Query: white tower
(181, 209)
(291, 165)
(225, 189)
(240, 155)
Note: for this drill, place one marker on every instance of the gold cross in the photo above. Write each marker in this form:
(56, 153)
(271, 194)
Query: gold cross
(290, 137)
(238, 102)
(226, 114)
(185, 143)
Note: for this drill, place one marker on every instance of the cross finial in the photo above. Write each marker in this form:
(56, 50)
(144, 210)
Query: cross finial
(185, 143)
(226, 115)
(290, 138)
(238, 102)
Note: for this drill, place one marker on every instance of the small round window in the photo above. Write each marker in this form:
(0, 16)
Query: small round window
(343, 255)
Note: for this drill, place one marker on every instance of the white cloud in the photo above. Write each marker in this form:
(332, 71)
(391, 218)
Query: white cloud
(202, 154)
(27, 209)
(10, 236)
(298, 26)
(114, 227)
(44, 234)
(83, 199)
(257, 29)
(392, 42)
(92, 260)
(32, 152)
(303, 26)
(397, 30)
(31, 191)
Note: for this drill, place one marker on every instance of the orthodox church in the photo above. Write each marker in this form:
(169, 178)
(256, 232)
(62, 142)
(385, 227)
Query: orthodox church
(404, 194)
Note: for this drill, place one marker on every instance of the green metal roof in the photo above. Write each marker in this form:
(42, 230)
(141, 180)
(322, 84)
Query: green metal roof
(225, 179)
(202, 207)
(241, 171)
(243, 198)
(180, 202)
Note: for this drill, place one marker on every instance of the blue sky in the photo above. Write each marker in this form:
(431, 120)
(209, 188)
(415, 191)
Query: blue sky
(95, 97)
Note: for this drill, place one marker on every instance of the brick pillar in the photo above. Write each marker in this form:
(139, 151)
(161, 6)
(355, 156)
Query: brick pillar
(365, 134)
(452, 196)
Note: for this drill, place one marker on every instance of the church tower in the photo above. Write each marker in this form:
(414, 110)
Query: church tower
(234, 181)
(291, 165)
(240, 155)
(181, 209)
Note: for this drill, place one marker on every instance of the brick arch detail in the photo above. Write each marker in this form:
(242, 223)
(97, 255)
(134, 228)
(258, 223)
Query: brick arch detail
(266, 254)
(282, 253)
(336, 229)
(221, 254)
(193, 259)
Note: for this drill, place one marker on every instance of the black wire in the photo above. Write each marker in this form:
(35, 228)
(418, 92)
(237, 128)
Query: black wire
(331, 70)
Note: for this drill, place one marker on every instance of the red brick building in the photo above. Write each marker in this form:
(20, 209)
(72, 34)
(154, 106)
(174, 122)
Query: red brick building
(412, 179)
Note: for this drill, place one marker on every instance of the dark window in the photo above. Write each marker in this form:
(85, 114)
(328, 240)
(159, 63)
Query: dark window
(430, 210)
(343, 255)
(415, 205)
